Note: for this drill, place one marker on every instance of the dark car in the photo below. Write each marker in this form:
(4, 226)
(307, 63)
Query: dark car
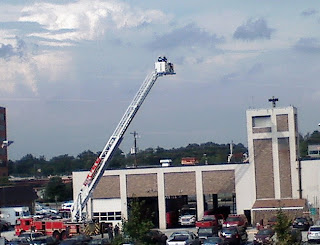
(156, 237)
(4, 225)
(99, 241)
(205, 232)
(77, 240)
(44, 240)
(18, 241)
(301, 223)
(213, 241)
(234, 235)
(264, 236)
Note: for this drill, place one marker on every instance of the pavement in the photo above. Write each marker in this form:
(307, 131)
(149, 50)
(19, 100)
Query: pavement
(250, 230)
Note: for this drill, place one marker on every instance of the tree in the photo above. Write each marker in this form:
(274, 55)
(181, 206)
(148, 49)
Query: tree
(56, 190)
(138, 224)
(282, 228)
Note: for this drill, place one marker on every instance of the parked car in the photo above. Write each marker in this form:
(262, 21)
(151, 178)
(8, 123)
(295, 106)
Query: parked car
(210, 220)
(18, 241)
(156, 237)
(235, 220)
(234, 235)
(4, 225)
(301, 223)
(314, 234)
(44, 240)
(264, 236)
(205, 232)
(213, 241)
(99, 241)
(31, 235)
(183, 237)
(271, 221)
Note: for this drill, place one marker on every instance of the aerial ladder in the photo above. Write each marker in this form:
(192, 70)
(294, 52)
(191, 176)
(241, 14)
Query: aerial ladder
(162, 68)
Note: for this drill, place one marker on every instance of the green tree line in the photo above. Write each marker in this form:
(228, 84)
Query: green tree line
(211, 153)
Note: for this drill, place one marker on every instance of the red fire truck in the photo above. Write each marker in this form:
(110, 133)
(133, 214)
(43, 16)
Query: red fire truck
(59, 229)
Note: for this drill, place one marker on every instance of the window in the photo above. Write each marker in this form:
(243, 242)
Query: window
(261, 121)
(107, 216)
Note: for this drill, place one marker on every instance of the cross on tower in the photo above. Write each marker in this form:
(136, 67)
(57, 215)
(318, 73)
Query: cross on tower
(273, 100)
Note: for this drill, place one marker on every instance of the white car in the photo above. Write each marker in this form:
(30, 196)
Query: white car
(314, 233)
(183, 238)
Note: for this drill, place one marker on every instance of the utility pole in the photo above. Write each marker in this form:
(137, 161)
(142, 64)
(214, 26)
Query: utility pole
(134, 149)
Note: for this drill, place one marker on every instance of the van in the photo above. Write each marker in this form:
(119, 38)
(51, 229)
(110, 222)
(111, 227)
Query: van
(12, 214)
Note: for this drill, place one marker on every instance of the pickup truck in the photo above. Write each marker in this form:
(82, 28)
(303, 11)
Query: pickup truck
(212, 220)
(188, 217)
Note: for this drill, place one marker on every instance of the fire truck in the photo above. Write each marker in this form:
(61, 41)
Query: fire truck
(78, 222)
(59, 229)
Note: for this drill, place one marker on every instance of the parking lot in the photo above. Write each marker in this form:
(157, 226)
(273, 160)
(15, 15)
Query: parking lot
(251, 231)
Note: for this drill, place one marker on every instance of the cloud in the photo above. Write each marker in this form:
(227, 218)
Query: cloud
(86, 20)
(309, 12)
(308, 45)
(15, 74)
(252, 30)
(7, 50)
(187, 36)
(20, 69)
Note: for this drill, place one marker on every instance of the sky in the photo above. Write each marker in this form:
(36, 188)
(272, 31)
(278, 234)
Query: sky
(69, 70)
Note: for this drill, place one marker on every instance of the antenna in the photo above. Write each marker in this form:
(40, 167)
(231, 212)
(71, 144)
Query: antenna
(231, 152)
(134, 148)
(273, 100)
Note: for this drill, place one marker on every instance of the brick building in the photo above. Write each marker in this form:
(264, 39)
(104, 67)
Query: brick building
(273, 147)
(269, 181)
(3, 150)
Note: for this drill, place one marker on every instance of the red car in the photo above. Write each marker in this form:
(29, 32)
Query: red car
(235, 220)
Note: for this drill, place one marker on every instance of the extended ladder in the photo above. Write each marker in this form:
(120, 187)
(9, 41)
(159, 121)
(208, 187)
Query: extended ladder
(162, 67)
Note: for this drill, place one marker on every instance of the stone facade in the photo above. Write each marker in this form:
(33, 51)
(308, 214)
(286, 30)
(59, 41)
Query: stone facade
(285, 168)
(180, 183)
(218, 182)
(142, 185)
(264, 168)
(108, 188)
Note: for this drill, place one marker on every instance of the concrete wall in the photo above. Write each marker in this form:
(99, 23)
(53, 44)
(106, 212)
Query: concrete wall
(184, 180)
(273, 147)
(310, 175)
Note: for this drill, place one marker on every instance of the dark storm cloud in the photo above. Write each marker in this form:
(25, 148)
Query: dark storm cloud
(309, 12)
(308, 45)
(189, 35)
(7, 50)
(253, 29)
